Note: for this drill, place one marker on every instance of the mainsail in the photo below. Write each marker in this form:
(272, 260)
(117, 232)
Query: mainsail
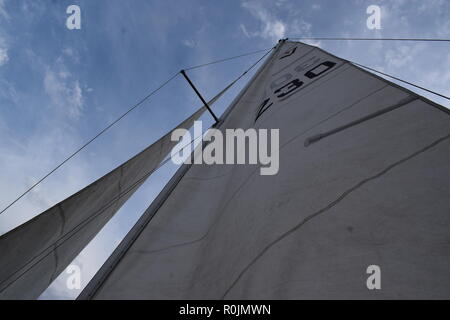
(363, 181)
(36, 252)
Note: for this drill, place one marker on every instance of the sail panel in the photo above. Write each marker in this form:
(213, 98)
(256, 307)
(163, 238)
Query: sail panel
(372, 191)
(36, 252)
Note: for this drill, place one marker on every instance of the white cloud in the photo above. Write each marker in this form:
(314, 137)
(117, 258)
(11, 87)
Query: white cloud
(4, 57)
(64, 92)
(3, 13)
(68, 51)
(299, 27)
(274, 30)
(402, 55)
(8, 91)
(271, 27)
(429, 5)
(27, 160)
(189, 43)
(72, 54)
(244, 30)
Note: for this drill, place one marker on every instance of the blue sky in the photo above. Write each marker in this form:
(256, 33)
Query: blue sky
(59, 87)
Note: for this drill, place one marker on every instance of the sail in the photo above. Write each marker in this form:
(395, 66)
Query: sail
(362, 183)
(36, 252)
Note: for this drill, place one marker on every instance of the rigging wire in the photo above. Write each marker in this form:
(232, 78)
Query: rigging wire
(84, 222)
(89, 219)
(371, 39)
(90, 141)
(401, 80)
(383, 39)
(227, 59)
(207, 64)
(125, 114)
(254, 64)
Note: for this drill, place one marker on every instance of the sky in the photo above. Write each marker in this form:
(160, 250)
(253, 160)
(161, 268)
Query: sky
(59, 87)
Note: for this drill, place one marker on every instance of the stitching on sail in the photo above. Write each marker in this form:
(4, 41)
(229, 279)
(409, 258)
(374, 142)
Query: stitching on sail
(312, 139)
(329, 206)
(252, 173)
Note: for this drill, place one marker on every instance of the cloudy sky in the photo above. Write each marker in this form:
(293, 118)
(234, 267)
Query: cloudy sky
(59, 87)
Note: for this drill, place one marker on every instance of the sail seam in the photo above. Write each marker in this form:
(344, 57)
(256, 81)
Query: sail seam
(393, 84)
(55, 253)
(55, 248)
(290, 64)
(330, 206)
(247, 179)
(312, 139)
(12, 278)
(63, 219)
(102, 276)
(325, 78)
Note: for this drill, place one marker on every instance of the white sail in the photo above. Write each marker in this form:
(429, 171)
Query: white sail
(363, 180)
(36, 252)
